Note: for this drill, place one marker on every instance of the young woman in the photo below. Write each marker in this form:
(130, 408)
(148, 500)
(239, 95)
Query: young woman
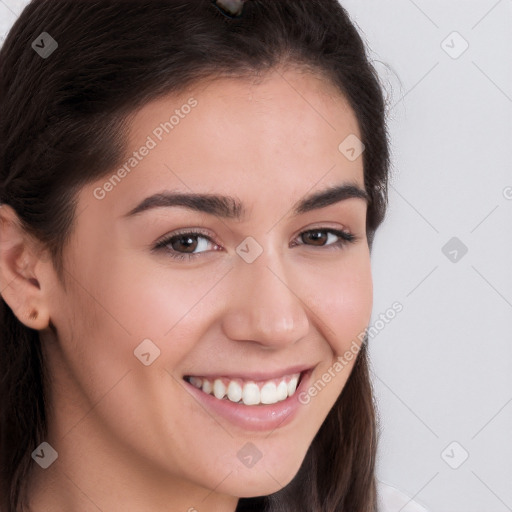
(190, 192)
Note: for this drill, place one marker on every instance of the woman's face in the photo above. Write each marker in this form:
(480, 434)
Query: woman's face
(248, 298)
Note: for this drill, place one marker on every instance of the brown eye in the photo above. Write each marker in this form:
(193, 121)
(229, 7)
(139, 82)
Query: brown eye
(318, 237)
(189, 245)
(184, 243)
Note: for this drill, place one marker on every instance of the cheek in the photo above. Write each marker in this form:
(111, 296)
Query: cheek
(167, 305)
(343, 300)
(163, 301)
(171, 308)
(130, 302)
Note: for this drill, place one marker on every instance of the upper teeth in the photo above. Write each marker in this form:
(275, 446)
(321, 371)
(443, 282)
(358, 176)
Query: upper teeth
(248, 392)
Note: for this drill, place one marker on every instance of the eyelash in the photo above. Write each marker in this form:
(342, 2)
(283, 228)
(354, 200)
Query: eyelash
(345, 238)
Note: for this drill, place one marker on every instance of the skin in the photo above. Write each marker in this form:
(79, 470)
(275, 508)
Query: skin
(268, 144)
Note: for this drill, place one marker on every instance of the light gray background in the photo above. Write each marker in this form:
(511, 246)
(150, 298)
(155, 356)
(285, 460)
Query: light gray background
(442, 369)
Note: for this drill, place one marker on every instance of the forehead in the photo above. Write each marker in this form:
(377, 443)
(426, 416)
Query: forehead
(278, 134)
(289, 96)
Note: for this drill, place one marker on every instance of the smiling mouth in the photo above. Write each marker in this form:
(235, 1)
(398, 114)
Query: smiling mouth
(246, 391)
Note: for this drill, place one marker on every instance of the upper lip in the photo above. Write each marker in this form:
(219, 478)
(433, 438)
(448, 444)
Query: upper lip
(254, 375)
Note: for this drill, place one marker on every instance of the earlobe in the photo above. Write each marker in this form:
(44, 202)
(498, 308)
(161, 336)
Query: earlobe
(19, 286)
(36, 321)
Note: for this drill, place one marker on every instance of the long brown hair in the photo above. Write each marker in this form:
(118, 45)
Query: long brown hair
(63, 125)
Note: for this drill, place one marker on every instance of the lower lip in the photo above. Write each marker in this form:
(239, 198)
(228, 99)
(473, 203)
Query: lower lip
(253, 417)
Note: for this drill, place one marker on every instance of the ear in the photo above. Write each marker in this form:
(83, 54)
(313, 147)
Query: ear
(21, 263)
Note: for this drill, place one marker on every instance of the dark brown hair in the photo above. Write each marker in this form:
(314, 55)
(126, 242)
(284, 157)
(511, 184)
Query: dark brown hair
(63, 125)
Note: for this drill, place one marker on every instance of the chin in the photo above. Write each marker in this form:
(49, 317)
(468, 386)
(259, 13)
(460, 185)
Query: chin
(265, 487)
(262, 481)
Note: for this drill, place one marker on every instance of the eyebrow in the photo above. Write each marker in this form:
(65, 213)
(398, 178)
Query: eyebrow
(230, 208)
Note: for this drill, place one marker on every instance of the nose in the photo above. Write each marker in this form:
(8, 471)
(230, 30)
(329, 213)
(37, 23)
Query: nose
(265, 306)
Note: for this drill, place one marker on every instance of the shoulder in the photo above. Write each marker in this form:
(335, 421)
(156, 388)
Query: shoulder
(390, 499)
